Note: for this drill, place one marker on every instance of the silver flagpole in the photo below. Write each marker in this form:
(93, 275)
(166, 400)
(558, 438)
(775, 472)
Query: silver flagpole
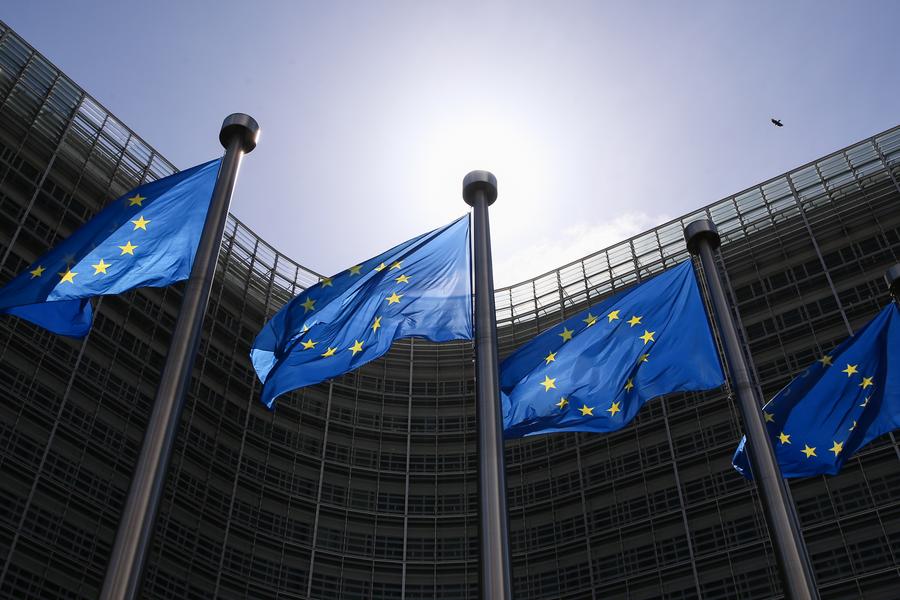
(479, 192)
(796, 571)
(238, 135)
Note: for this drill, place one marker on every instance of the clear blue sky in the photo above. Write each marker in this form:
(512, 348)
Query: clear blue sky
(599, 119)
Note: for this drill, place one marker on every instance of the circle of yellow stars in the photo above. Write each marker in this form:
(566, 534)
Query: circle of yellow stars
(101, 267)
(590, 320)
(309, 304)
(784, 439)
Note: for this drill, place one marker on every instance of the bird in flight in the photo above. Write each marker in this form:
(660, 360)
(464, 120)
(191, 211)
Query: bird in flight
(777, 123)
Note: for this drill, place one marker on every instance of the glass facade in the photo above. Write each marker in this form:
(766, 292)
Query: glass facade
(365, 487)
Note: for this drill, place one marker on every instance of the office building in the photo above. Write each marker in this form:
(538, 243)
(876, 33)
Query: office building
(366, 487)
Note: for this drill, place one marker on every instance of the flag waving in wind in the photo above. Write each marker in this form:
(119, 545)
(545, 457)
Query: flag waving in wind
(421, 288)
(146, 238)
(594, 371)
(843, 401)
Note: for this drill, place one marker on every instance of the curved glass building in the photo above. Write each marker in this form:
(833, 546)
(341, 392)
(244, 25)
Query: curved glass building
(365, 487)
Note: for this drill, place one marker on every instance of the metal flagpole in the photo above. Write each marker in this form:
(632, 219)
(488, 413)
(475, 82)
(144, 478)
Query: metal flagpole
(479, 192)
(238, 135)
(784, 530)
(892, 277)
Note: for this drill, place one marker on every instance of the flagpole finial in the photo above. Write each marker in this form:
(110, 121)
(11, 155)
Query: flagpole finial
(892, 277)
(699, 230)
(479, 181)
(244, 126)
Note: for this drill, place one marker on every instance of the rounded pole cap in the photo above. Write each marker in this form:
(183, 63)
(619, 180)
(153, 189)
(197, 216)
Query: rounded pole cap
(243, 126)
(700, 230)
(892, 277)
(479, 181)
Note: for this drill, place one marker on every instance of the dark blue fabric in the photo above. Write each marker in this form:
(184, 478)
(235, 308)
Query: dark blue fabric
(65, 317)
(650, 340)
(843, 401)
(421, 288)
(148, 237)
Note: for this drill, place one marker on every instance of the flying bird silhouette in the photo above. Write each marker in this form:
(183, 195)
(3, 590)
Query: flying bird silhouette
(777, 123)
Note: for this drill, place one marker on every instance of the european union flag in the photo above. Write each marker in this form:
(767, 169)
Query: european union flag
(146, 238)
(843, 401)
(421, 288)
(595, 370)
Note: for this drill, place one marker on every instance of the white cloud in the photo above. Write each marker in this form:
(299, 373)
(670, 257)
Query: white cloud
(555, 249)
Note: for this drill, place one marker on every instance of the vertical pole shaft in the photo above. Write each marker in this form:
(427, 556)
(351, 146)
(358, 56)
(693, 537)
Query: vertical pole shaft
(793, 561)
(892, 278)
(123, 577)
(480, 191)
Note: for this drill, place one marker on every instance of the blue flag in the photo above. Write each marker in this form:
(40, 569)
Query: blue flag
(594, 371)
(421, 288)
(146, 238)
(843, 401)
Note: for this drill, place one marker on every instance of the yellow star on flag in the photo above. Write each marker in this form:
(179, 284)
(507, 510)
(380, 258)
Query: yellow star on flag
(308, 304)
(136, 200)
(566, 335)
(644, 358)
(865, 402)
(67, 276)
(381, 267)
(128, 248)
(548, 383)
(837, 447)
(37, 272)
(825, 360)
(634, 320)
(809, 452)
(784, 438)
(356, 347)
(402, 279)
(140, 223)
(629, 385)
(329, 352)
(867, 381)
(648, 336)
(396, 265)
(613, 316)
(550, 358)
(852, 427)
(562, 403)
(394, 298)
(586, 410)
(612, 410)
(590, 320)
(100, 267)
(376, 324)
(770, 418)
(850, 370)
(308, 344)
(326, 282)
(355, 270)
